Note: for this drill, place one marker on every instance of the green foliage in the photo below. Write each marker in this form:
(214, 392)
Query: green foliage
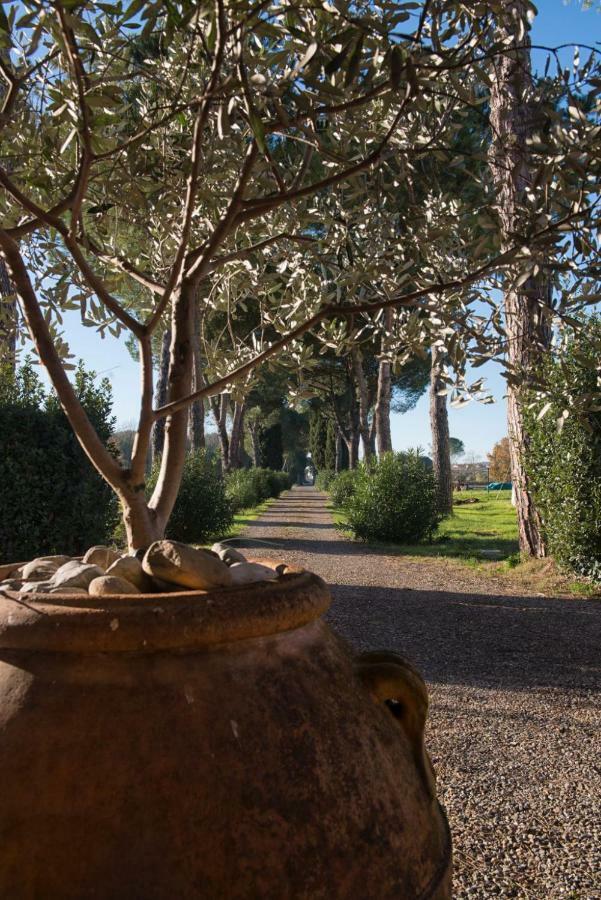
(242, 489)
(324, 479)
(394, 500)
(318, 435)
(202, 510)
(246, 488)
(271, 447)
(564, 454)
(343, 487)
(282, 481)
(330, 448)
(409, 383)
(322, 440)
(52, 499)
(456, 447)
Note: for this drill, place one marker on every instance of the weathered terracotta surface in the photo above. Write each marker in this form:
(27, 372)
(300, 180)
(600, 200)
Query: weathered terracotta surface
(204, 746)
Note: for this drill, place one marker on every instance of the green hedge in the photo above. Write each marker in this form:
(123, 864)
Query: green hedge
(394, 499)
(51, 497)
(202, 510)
(343, 487)
(564, 463)
(324, 479)
(246, 488)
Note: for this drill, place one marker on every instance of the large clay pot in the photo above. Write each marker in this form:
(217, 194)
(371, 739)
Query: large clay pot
(210, 746)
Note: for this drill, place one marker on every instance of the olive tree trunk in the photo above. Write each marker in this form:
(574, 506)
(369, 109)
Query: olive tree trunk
(525, 309)
(439, 424)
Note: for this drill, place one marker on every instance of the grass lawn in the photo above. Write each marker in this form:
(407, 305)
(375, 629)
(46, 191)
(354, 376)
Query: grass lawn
(244, 516)
(489, 524)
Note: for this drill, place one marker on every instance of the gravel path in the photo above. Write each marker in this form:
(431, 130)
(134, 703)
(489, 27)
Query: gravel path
(515, 700)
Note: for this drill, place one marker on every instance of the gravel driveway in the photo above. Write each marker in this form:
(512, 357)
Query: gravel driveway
(515, 700)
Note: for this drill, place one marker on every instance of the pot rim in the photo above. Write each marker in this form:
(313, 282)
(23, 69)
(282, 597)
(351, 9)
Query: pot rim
(145, 623)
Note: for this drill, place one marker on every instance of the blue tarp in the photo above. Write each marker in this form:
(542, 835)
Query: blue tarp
(499, 486)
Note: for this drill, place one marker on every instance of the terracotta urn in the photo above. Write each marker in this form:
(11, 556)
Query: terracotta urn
(218, 745)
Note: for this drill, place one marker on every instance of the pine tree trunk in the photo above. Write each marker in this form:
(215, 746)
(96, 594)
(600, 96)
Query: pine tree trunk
(8, 320)
(363, 402)
(352, 445)
(439, 423)
(158, 429)
(338, 464)
(384, 394)
(196, 425)
(219, 407)
(528, 332)
(382, 410)
(237, 435)
(255, 438)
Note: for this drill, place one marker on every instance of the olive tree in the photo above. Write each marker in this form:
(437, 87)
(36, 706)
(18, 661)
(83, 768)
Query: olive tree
(161, 157)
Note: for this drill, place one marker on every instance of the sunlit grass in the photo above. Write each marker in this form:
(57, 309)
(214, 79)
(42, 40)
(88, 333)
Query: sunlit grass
(488, 525)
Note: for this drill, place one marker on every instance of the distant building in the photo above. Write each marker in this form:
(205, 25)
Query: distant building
(472, 474)
(309, 475)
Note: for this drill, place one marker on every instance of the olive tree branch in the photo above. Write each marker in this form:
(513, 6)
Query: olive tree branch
(82, 86)
(93, 280)
(218, 261)
(256, 207)
(196, 156)
(198, 261)
(330, 311)
(104, 462)
(122, 264)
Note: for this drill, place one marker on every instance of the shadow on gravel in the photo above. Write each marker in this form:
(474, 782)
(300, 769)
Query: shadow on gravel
(480, 640)
(332, 547)
(265, 521)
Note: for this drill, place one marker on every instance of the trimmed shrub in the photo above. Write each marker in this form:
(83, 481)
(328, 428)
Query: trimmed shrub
(324, 479)
(564, 462)
(202, 511)
(241, 489)
(52, 499)
(271, 447)
(394, 499)
(246, 488)
(283, 481)
(342, 488)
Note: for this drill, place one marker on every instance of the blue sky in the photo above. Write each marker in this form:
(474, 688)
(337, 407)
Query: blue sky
(479, 426)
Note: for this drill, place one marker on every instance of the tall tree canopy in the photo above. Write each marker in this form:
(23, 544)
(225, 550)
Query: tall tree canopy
(160, 156)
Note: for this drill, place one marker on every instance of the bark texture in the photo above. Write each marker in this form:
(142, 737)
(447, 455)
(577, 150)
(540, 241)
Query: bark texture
(219, 407)
(196, 421)
(254, 429)
(362, 402)
(237, 435)
(439, 424)
(528, 333)
(180, 386)
(338, 464)
(384, 394)
(8, 319)
(158, 429)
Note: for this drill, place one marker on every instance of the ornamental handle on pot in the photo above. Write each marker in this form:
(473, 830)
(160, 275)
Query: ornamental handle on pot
(392, 680)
